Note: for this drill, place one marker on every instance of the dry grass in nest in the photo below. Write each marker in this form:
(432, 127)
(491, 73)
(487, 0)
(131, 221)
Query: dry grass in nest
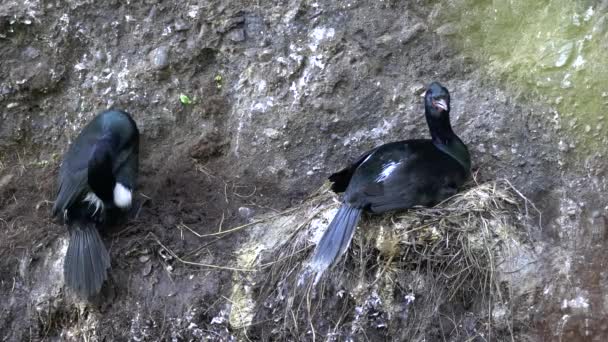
(408, 275)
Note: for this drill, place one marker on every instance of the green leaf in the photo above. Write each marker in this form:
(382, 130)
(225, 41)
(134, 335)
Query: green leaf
(184, 99)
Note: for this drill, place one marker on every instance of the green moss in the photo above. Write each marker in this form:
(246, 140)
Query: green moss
(558, 49)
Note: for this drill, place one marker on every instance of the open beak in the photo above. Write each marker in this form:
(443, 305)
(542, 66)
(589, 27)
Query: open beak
(440, 104)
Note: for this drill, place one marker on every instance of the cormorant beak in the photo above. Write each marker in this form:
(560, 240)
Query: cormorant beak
(440, 104)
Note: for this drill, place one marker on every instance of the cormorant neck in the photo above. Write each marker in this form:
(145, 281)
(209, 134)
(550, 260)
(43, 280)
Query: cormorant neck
(440, 128)
(100, 171)
(446, 140)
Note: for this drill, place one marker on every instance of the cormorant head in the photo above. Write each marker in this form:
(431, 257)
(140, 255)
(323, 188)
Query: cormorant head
(437, 100)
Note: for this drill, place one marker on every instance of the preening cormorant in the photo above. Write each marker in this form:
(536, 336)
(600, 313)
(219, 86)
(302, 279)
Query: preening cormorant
(397, 175)
(96, 182)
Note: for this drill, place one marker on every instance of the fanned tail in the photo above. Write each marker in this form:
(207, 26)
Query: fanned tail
(86, 261)
(336, 239)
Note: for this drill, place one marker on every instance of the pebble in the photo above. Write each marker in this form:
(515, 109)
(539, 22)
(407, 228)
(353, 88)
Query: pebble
(271, 133)
(418, 89)
(409, 33)
(144, 258)
(237, 35)
(160, 57)
(31, 53)
(147, 269)
(448, 29)
(565, 51)
(385, 39)
(266, 55)
(181, 25)
(5, 180)
(245, 212)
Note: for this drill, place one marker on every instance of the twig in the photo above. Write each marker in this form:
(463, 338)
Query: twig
(232, 230)
(198, 263)
(219, 230)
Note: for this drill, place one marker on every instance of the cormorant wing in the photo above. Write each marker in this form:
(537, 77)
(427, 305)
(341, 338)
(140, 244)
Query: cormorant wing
(341, 179)
(71, 187)
(73, 175)
(400, 175)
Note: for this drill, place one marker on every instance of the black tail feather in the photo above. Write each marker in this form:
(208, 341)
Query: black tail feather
(86, 261)
(336, 239)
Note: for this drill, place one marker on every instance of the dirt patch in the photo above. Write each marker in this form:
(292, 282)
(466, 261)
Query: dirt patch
(160, 295)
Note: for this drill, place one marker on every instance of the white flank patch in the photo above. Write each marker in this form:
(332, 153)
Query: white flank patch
(95, 201)
(122, 196)
(386, 171)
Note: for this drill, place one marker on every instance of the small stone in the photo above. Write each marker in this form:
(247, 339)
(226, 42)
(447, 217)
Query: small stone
(409, 33)
(266, 55)
(245, 212)
(147, 269)
(448, 29)
(237, 35)
(144, 258)
(160, 57)
(565, 51)
(587, 128)
(385, 39)
(265, 42)
(271, 133)
(181, 25)
(30, 53)
(418, 89)
(4, 181)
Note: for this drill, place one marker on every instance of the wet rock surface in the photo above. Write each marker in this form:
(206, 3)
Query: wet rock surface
(280, 96)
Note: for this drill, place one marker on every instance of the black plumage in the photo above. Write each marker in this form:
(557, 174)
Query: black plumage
(96, 181)
(397, 175)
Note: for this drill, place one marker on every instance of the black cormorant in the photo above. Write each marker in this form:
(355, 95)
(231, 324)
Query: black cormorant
(96, 182)
(397, 175)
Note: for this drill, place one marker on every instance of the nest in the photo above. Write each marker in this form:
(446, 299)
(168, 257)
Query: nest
(425, 273)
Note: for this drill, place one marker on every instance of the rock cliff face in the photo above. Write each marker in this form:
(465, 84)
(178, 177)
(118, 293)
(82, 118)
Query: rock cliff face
(245, 107)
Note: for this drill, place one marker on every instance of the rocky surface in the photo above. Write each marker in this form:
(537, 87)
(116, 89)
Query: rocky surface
(245, 108)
